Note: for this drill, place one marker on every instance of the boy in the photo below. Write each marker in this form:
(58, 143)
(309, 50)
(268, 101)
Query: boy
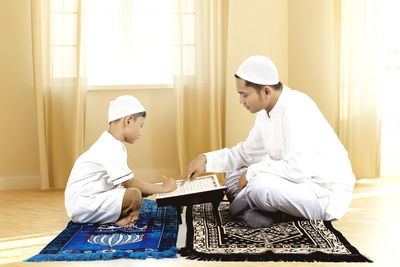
(101, 187)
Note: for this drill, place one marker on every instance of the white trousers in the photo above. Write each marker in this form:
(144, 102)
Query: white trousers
(272, 193)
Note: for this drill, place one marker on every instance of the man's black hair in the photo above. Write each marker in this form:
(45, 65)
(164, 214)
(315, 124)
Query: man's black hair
(258, 87)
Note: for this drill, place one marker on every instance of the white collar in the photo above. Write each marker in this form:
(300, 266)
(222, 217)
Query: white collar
(278, 105)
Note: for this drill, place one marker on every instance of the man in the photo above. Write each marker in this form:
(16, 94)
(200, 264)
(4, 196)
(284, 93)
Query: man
(292, 160)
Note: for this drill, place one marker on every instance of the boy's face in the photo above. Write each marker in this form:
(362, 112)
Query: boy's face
(134, 129)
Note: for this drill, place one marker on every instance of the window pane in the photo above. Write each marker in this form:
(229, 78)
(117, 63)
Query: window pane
(99, 6)
(390, 24)
(176, 55)
(146, 65)
(155, 66)
(64, 62)
(102, 30)
(188, 5)
(189, 60)
(64, 5)
(174, 5)
(63, 29)
(151, 28)
(103, 40)
(175, 29)
(131, 42)
(188, 29)
(148, 6)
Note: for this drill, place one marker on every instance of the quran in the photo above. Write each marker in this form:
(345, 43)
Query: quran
(203, 189)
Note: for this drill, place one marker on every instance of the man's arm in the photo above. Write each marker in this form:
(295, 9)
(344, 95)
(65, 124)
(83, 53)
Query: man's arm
(229, 159)
(243, 154)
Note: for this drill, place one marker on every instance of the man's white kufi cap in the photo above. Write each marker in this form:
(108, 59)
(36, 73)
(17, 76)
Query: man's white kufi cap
(259, 70)
(123, 106)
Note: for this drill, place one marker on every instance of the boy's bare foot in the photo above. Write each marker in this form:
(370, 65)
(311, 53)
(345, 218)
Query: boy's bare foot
(127, 221)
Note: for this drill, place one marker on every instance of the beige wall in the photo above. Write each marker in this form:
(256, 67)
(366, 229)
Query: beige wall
(314, 53)
(255, 27)
(299, 36)
(19, 166)
(155, 153)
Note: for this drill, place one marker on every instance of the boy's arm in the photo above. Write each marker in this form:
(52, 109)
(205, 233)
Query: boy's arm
(150, 188)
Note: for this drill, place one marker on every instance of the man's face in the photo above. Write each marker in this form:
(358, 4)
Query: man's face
(249, 97)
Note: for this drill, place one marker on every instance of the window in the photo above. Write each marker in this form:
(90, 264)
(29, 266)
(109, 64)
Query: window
(63, 39)
(138, 42)
(183, 17)
(130, 43)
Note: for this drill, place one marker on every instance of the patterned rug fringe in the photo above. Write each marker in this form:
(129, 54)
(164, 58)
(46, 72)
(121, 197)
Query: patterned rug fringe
(171, 253)
(270, 256)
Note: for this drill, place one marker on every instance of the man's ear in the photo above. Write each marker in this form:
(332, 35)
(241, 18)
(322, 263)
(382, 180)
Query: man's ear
(267, 90)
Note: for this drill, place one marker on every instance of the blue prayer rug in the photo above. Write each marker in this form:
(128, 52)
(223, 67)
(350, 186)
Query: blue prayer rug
(153, 235)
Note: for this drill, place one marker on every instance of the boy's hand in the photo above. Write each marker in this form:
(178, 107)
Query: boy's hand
(169, 185)
(242, 181)
(197, 166)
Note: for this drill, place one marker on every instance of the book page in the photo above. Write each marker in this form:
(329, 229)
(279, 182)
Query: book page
(200, 184)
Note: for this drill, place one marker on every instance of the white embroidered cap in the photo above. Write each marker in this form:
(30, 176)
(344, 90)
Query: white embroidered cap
(259, 70)
(123, 106)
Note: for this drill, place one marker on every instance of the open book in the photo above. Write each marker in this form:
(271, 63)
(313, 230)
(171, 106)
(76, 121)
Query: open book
(200, 190)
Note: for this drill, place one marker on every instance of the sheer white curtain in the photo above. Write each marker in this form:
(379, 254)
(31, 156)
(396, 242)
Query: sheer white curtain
(199, 79)
(60, 86)
(81, 43)
(361, 85)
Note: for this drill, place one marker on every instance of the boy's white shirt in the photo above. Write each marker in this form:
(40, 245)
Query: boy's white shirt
(294, 142)
(93, 181)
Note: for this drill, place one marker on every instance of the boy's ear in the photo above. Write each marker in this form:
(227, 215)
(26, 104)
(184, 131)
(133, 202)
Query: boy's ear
(127, 120)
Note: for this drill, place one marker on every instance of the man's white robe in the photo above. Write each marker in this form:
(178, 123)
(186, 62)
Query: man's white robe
(294, 152)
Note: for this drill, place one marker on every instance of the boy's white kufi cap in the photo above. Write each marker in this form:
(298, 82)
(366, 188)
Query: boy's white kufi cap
(259, 70)
(123, 106)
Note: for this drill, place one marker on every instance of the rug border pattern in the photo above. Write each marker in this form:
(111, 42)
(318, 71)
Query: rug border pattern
(189, 252)
(167, 247)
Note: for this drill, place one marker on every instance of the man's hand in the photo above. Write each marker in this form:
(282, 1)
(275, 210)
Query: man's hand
(242, 181)
(197, 166)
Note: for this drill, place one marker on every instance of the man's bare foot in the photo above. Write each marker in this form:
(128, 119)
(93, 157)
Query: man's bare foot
(127, 221)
